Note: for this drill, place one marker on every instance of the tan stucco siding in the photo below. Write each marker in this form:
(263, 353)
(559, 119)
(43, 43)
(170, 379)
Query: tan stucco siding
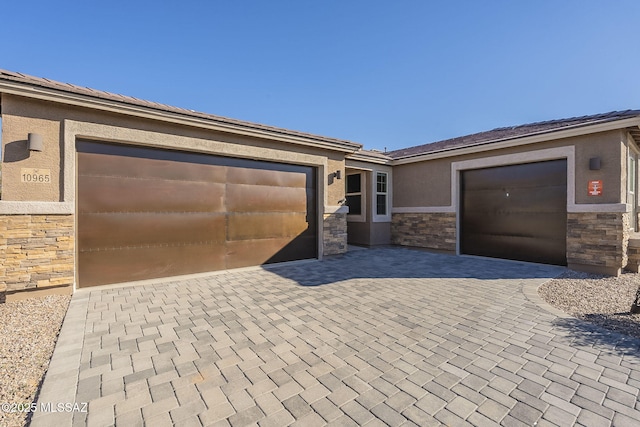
(16, 156)
(335, 187)
(422, 184)
(611, 150)
(23, 115)
(428, 183)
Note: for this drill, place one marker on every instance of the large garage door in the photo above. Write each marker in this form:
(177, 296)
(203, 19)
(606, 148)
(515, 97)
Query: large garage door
(146, 213)
(516, 212)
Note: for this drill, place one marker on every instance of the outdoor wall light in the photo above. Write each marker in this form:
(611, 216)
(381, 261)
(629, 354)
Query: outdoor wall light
(334, 175)
(594, 163)
(35, 142)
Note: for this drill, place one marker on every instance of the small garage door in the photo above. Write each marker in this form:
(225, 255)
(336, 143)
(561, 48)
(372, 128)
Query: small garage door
(147, 213)
(516, 212)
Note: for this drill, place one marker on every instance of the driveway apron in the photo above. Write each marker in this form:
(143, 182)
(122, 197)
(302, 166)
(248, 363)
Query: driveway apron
(388, 336)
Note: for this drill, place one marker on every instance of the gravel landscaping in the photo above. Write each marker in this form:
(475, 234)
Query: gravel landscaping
(28, 334)
(603, 300)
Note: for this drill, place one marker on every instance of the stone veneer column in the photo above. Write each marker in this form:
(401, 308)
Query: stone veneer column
(334, 235)
(633, 253)
(36, 252)
(597, 242)
(425, 230)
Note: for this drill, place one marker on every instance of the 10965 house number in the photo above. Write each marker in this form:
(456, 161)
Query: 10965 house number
(36, 176)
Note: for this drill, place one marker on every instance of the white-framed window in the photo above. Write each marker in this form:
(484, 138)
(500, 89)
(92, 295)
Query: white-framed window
(381, 196)
(355, 196)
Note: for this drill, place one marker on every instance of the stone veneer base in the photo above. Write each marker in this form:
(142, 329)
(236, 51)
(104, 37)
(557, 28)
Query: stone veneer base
(334, 234)
(434, 230)
(597, 242)
(633, 254)
(36, 252)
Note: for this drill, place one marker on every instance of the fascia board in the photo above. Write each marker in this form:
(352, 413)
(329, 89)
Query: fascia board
(172, 117)
(524, 140)
(368, 159)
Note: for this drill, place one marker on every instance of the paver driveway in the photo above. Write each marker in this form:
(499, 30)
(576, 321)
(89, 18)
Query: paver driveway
(375, 337)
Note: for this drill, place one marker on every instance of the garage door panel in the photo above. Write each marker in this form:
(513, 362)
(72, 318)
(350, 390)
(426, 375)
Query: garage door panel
(146, 213)
(259, 198)
(288, 176)
(130, 264)
(516, 212)
(130, 166)
(303, 246)
(520, 248)
(124, 194)
(529, 175)
(101, 231)
(516, 200)
(266, 226)
(540, 224)
(244, 253)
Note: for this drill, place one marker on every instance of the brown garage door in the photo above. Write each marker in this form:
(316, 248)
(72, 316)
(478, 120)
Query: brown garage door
(516, 212)
(146, 213)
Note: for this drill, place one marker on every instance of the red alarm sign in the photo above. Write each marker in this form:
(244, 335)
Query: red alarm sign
(595, 188)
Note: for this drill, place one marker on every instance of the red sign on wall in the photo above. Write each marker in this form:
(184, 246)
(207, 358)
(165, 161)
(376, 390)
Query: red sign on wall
(595, 188)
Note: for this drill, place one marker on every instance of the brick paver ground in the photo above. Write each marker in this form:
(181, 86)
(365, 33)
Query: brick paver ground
(389, 336)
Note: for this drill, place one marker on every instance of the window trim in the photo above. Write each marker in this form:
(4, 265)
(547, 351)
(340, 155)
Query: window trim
(374, 190)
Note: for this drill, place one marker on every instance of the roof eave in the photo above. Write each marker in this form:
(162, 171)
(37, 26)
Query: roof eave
(365, 157)
(276, 134)
(502, 143)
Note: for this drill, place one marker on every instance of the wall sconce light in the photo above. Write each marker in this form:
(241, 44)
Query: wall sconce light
(35, 142)
(594, 163)
(334, 175)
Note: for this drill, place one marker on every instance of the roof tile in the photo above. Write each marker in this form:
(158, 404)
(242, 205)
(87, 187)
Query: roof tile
(96, 94)
(512, 132)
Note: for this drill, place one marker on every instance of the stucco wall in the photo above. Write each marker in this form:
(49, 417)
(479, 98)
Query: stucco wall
(369, 233)
(422, 184)
(428, 183)
(16, 156)
(358, 233)
(22, 116)
(335, 187)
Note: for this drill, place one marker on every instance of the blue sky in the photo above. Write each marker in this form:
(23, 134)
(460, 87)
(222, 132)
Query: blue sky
(382, 73)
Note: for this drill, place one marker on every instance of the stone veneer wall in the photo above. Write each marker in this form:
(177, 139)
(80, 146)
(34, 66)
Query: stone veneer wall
(598, 241)
(334, 235)
(633, 252)
(36, 251)
(426, 230)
